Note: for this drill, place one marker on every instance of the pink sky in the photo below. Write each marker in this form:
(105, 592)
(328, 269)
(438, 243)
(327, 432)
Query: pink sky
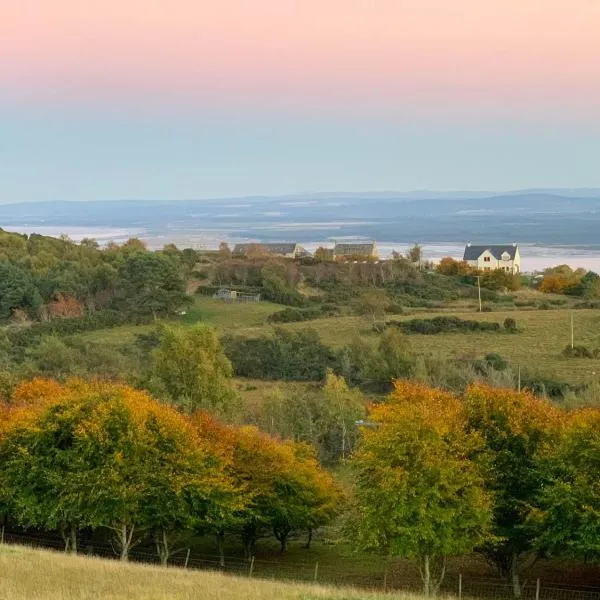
(446, 56)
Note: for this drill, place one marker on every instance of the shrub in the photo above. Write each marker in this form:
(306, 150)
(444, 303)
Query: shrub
(292, 315)
(497, 362)
(510, 325)
(580, 352)
(394, 309)
(443, 324)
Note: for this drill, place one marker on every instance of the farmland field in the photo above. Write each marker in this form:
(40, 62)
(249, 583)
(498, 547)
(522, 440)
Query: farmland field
(543, 334)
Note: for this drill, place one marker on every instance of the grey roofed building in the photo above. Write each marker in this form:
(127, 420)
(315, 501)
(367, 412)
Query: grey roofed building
(356, 249)
(287, 249)
(474, 252)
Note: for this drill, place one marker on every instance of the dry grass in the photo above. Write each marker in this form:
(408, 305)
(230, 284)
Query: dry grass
(27, 574)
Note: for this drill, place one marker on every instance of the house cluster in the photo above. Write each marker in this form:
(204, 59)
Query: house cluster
(294, 250)
(483, 258)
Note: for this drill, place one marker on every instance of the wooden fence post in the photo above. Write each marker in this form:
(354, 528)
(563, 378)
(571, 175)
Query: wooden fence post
(316, 570)
(459, 586)
(537, 589)
(385, 576)
(187, 559)
(251, 567)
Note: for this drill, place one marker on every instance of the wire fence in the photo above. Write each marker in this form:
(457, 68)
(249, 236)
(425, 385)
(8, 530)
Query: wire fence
(376, 575)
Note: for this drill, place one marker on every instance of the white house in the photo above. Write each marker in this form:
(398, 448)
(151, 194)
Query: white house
(489, 258)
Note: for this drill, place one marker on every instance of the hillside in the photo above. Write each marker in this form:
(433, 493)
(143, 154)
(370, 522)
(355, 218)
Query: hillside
(27, 574)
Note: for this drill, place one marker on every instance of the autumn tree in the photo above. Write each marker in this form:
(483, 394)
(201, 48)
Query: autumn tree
(417, 493)
(515, 429)
(103, 455)
(452, 267)
(288, 490)
(192, 367)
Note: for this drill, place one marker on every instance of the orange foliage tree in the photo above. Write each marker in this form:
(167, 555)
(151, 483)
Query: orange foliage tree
(91, 454)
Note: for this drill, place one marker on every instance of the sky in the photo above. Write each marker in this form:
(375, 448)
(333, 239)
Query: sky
(149, 99)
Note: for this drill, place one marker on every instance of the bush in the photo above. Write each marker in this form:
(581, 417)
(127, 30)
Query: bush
(292, 315)
(510, 325)
(443, 324)
(287, 355)
(497, 362)
(580, 352)
(394, 309)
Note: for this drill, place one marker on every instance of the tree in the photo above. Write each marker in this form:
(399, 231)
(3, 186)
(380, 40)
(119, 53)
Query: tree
(415, 255)
(570, 519)
(224, 251)
(372, 304)
(192, 367)
(104, 455)
(515, 428)
(150, 284)
(344, 407)
(418, 495)
(451, 267)
(287, 490)
(17, 291)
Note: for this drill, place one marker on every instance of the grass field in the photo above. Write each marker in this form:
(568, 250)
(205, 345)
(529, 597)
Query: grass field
(27, 574)
(543, 334)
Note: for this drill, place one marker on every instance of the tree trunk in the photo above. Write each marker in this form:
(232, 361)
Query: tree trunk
(123, 535)
(249, 540)
(68, 533)
(282, 535)
(221, 547)
(162, 548)
(514, 575)
(426, 575)
(433, 570)
(309, 539)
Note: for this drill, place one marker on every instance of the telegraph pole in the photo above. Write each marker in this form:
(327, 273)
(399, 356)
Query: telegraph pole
(479, 290)
(572, 332)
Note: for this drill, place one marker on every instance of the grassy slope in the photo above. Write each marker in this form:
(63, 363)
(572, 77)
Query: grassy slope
(544, 334)
(27, 574)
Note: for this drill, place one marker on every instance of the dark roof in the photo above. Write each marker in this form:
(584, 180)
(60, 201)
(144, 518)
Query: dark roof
(282, 248)
(474, 252)
(354, 248)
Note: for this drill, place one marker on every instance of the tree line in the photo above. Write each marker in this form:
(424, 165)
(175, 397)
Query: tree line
(91, 455)
(496, 471)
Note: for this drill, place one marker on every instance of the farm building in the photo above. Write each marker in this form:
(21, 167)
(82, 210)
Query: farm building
(287, 250)
(356, 249)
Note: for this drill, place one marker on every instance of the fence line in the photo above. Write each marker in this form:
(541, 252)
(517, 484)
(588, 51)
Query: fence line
(344, 573)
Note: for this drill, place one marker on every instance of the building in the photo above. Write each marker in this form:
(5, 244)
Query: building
(488, 258)
(287, 250)
(356, 250)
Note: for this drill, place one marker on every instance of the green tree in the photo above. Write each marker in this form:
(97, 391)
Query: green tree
(372, 305)
(570, 517)
(344, 407)
(417, 494)
(515, 429)
(192, 367)
(150, 284)
(17, 291)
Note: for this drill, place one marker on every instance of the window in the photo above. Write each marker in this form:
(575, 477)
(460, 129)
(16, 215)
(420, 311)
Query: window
(486, 259)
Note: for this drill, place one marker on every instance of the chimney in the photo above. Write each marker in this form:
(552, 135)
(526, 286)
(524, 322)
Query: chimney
(514, 244)
(468, 244)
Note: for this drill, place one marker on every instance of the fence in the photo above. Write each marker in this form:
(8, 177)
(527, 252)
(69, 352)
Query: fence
(378, 576)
